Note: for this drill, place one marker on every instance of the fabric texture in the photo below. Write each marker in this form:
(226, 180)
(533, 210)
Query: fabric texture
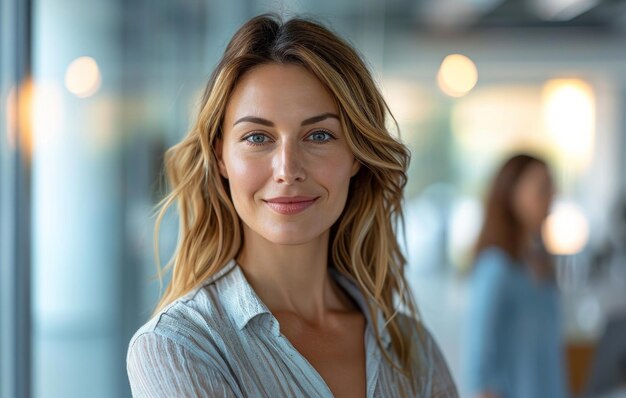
(513, 345)
(221, 340)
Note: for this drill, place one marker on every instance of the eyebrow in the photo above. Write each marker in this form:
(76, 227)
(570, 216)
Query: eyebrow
(265, 122)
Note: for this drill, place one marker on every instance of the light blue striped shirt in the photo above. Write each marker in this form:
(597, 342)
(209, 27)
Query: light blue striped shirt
(514, 342)
(221, 340)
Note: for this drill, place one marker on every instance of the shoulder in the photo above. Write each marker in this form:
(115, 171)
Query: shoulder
(195, 322)
(159, 366)
(493, 263)
(431, 363)
(424, 343)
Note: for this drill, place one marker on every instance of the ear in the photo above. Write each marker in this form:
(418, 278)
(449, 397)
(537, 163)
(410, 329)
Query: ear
(220, 161)
(356, 166)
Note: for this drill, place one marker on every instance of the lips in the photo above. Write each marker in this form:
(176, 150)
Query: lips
(290, 205)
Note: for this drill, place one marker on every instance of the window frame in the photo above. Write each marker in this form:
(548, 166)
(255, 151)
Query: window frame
(15, 200)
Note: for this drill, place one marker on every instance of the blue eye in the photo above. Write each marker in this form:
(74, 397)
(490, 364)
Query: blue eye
(321, 137)
(256, 139)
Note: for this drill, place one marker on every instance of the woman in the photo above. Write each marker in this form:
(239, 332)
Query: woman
(514, 337)
(288, 189)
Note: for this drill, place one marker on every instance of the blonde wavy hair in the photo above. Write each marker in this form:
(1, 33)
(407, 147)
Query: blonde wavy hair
(363, 243)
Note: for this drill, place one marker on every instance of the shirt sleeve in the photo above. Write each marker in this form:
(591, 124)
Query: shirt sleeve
(158, 367)
(486, 318)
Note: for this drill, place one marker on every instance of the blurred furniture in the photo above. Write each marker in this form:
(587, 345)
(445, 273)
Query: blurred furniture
(579, 358)
(608, 371)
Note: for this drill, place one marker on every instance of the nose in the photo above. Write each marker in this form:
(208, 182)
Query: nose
(288, 165)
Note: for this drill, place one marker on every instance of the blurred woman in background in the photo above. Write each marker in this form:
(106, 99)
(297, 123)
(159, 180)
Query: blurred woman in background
(514, 344)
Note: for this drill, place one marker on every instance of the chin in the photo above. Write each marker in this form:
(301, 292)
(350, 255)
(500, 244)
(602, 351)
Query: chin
(290, 239)
(294, 234)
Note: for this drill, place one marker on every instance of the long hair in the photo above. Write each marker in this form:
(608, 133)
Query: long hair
(501, 226)
(363, 242)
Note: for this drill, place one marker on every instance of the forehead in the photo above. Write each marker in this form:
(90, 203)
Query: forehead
(279, 92)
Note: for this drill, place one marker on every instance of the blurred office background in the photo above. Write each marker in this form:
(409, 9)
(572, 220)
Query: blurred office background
(93, 92)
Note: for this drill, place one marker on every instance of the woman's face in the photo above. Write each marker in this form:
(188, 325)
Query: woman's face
(284, 154)
(532, 197)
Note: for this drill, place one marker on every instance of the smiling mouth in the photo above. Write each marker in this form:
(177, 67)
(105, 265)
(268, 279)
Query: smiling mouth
(289, 206)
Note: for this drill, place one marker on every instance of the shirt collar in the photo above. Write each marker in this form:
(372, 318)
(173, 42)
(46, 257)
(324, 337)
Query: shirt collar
(243, 304)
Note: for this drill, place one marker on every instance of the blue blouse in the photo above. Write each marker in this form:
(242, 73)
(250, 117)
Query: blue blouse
(513, 345)
(221, 340)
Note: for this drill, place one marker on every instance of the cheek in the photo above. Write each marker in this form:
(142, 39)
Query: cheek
(336, 174)
(531, 208)
(245, 175)
(522, 205)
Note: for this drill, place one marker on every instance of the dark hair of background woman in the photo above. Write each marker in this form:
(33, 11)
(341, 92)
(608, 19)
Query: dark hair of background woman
(501, 227)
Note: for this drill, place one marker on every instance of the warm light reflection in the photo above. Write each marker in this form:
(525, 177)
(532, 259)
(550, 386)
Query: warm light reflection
(47, 112)
(566, 230)
(457, 75)
(82, 77)
(569, 118)
(18, 121)
(408, 103)
(499, 118)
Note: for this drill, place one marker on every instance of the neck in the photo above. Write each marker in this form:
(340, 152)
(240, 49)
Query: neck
(292, 279)
(529, 240)
(536, 255)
